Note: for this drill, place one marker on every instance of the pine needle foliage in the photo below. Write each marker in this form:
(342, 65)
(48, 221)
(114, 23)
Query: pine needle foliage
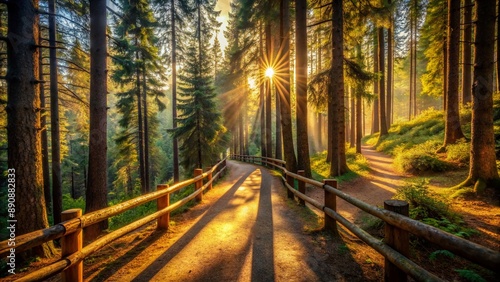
(200, 131)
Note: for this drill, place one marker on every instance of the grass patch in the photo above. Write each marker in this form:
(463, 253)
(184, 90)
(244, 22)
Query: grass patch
(459, 152)
(357, 163)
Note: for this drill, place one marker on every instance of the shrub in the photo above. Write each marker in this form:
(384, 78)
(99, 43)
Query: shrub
(419, 158)
(422, 204)
(459, 152)
(432, 210)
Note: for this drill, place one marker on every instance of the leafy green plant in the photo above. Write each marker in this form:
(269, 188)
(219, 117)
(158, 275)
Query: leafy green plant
(419, 158)
(431, 209)
(441, 253)
(470, 275)
(459, 152)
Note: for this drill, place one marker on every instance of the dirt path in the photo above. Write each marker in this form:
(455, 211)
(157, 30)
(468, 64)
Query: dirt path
(245, 230)
(378, 186)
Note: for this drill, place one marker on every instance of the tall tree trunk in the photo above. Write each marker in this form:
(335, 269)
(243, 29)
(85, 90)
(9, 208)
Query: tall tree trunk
(359, 101)
(23, 124)
(284, 91)
(352, 115)
(54, 119)
(483, 170)
(338, 164)
(466, 53)
(269, 141)
(390, 69)
(279, 140)
(140, 115)
(412, 68)
(175, 145)
(498, 48)
(415, 41)
(146, 130)
(263, 131)
(381, 88)
(301, 86)
(375, 113)
(43, 126)
(96, 193)
(241, 137)
(453, 131)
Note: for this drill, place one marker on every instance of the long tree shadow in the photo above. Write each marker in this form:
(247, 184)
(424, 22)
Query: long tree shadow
(149, 272)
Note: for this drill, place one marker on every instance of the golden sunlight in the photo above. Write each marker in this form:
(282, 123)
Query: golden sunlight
(269, 72)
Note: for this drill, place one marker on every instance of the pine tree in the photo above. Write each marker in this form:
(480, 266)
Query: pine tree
(139, 70)
(200, 129)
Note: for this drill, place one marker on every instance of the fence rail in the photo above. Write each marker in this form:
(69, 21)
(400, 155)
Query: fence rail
(395, 251)
(70, 230)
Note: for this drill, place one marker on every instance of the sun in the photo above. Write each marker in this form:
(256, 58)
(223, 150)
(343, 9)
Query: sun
(269, 72)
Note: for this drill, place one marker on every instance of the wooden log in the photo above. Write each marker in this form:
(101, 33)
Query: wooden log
(290, 180)
(198, 184)
(161, 203)
(459, 246)
(331, 203)
(398, 239)
(70, 244)
(302, 187)
(209, 178)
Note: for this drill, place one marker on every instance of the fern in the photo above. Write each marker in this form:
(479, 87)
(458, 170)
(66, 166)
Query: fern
(470, 275)
(434, 255)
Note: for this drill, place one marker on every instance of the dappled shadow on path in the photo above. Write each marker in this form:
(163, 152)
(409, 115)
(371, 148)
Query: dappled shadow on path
(178, 246)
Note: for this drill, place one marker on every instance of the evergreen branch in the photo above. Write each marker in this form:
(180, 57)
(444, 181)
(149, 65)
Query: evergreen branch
(320, 22)
(49, 47)
(64, 17)
(74, 95)
(74, 85)
(4, 38)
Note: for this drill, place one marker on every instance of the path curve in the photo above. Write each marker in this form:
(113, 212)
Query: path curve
(380, 185)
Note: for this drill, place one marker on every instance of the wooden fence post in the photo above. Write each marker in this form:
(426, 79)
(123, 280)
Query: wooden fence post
(209, 177)
(70, 244)
(302, 186)
(331, 203)
(290, 181)
(161, 203)
(398, 239)
(198, 184)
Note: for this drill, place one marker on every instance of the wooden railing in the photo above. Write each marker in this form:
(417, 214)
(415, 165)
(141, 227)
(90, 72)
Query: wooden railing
(398, 224)
(70, 230)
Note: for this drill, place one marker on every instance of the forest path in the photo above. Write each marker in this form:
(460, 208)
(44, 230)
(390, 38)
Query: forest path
(244, 230)
(380, 185)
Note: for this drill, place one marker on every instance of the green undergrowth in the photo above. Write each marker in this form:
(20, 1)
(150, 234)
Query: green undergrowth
(432, 209)
(414, 144)
(357, 164)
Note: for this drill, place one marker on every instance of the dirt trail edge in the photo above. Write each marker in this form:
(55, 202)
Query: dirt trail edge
(380, 185)
(245, 230)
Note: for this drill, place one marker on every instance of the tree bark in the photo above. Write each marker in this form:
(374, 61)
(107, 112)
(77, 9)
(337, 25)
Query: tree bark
(381, 87)
(175, 145)
(338, 164)
(43, 126)
(284, 91)
(54, 120)
(375, 113)
(269, 141)
(352, 115)
(140, 120)
(279, 140)
(301, 86)
(390, 69)
(466, 53)
(359, 101)
(263, 148)
(96, 193)
(483, 170)
(23, 124)
(453, 131)
(146, 130)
